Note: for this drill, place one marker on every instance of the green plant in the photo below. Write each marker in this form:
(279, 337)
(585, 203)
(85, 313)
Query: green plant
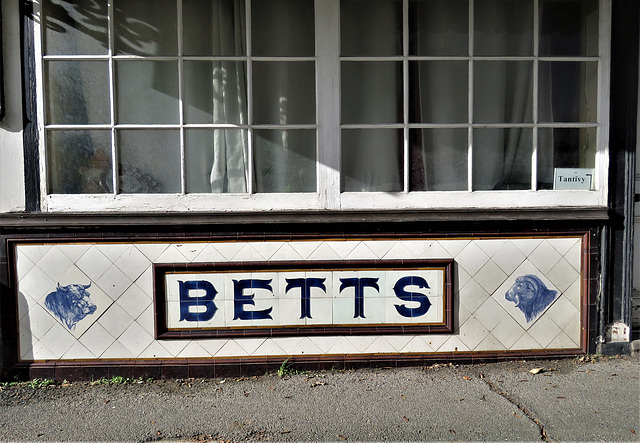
(286, 368)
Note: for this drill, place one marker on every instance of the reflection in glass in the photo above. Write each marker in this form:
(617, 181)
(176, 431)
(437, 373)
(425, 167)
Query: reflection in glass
(284, 92)
(215, 92)
(503, 27)
(372, 160)
(371, 27)
(371, 92)
(438, 159)
(214, 27)
(149, 161)
(567, 91)
(75, 27)
(77, 92)
(439, 27)
(283, 28)
(147, 91)
(216, 160)
(146, 27)
(285, 160)
(502, 92)
(440, 90)
(564, 148)
(568, 28)
(502, 158)
(79, 162)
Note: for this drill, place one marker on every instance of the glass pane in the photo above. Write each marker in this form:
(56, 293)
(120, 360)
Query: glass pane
(284, 92)
(568, 91)
(283, 28)
(569, 27)
(502, 158)
(371, 27)
(502, 92)
(372, 160)
(149, 161)
(216, 160)
(285, 160)
(75, 27)
(147, 91)
(503, 27)
(440, 92)
(77, 92)
(438, 159)
(215, 92)
(439, 27)
(146, 27)
(371, 92)
(564, 148)
(79, 162)
(214, 27)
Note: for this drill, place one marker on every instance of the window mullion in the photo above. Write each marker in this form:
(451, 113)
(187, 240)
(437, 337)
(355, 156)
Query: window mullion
(183, 158)
(470, 100)
(250, 172)
(327, 16)
(115, 170)
(405, 93)
(536, 53)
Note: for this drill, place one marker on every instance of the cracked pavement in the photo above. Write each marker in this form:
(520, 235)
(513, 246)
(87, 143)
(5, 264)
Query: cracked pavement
(567, 400)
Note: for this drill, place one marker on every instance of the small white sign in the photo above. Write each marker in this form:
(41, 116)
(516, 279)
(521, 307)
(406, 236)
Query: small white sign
(573, 178)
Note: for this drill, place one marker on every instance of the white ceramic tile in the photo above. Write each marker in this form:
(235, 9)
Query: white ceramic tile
(33, 252)
(573, 329)
(212, 346)
(145, 281)
(508, 331)
(321, 311)
(305, 248)
(399, 252)
(210, 254)
(342, 248)
(115, 320)
(171, 255)
(324, 252)
(508, 257)
(380, 345)
(228, 249)
(135, 339)
(490, 314)
(23, 265)
(460, 313)
(472, 296)
(288, 344)
(564, 245)
(362, 342)
(562, 341)
(174, 347)
(562, 312)
(269, 348)
(58, 340)
(460, 277)
(380, 248)
(418, 248)
(134, 301)
(544, 331)
(77, 352)
(231, 349)
(562, 275)
(434, 250)
(289, 310)
(491, 246)
(117, 351)
(93, 263)
(25, 342)
(417, 345)
(526, 245)
(454, 247)
(397, 342)
(155, 350)
(435, 341)
(490, 343)
(472, 258)
(191, 250)
(344, 311)
(249, 253)
(323, 343)
(573, 294)
(574, 256)
(133, 263)
(361, 252)
(152, 250)
(39, 321)
(97, 339)
(36, 284)
(114, 282)
(286, 253)
(343, 346)
(25, 304)
(526, 341)
(490, 277)
(544, 257)
(112, 250)
(74, 251)
(193, 350)
(453, 344)
(147, 319)
(307, 347)
(40, 352)
(249, 345)
(472, 333)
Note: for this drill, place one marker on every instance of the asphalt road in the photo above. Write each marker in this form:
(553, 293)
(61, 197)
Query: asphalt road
(568, 400)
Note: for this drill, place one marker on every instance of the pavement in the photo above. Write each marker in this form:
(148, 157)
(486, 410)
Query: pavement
(592, 398)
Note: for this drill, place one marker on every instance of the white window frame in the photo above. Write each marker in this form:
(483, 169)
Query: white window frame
(329, 195)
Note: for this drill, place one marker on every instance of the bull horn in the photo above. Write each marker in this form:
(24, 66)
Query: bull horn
(62, 288)
(87, 286)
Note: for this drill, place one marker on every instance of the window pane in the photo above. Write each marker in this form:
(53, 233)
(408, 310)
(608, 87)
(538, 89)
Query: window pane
(79, 162)
(149, 161)
(372, 160)
(502, 158)
(214, 27)
(215, 92)
(564, 148)
(440, 90)
(502, 92)
(147, 91)
(285, 160)
(75, 27)
(569, 27)
(283, 28)
(371, 92)
(284, 92)
(146, 27)
(77, 92)
(216, 160)
(439, 27)
(438, 159)
(568, 91)
(503, 27)
(371, 27)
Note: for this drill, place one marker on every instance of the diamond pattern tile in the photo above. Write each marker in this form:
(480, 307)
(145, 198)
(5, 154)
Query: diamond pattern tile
(55, 263)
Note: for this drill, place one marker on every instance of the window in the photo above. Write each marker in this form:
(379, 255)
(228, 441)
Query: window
(325, 104)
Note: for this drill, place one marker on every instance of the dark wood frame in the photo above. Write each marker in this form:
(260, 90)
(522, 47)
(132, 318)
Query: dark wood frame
(159, 297)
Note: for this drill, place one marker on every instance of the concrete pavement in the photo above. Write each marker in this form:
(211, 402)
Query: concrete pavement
(593, 399)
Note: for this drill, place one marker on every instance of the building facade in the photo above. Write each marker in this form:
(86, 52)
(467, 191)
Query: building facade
(209, 187)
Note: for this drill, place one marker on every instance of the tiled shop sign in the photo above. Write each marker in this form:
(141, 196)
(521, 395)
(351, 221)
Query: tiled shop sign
(271, 299)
